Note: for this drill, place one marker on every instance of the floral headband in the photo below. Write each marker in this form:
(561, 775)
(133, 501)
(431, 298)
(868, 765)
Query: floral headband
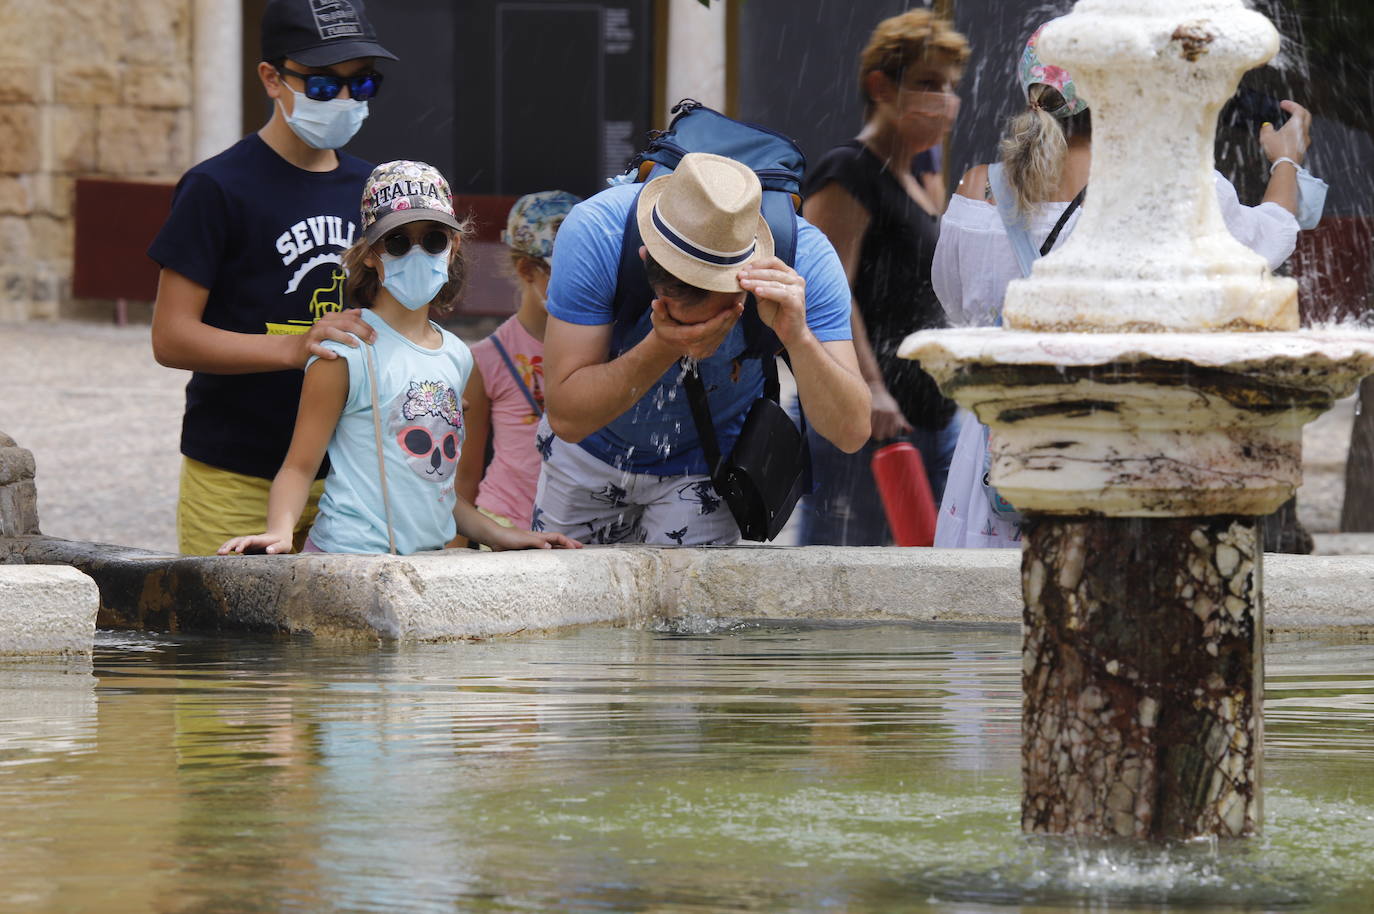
(1033, 70)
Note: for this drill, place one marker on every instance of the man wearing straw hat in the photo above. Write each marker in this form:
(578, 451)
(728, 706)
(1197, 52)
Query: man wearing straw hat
(622, 459)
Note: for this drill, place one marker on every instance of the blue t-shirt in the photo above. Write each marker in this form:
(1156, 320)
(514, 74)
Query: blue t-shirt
(265, 238)
(656, 435)
(419, 394)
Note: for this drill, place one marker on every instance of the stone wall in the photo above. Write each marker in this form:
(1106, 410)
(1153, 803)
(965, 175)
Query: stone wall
(18, 496)
(88, 88)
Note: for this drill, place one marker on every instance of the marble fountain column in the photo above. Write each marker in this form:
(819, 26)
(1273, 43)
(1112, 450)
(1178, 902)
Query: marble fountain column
(1146, 399)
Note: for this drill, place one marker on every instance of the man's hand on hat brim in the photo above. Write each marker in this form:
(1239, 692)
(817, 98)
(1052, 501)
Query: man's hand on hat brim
(781, 295)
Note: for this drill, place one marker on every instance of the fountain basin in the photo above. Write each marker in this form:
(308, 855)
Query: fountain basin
(1145, 424)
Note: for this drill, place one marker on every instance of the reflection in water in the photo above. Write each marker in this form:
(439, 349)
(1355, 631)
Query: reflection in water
(702, 767)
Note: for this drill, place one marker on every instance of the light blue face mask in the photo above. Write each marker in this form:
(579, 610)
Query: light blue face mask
(415, 277)
(1311, 199)
(325, 125)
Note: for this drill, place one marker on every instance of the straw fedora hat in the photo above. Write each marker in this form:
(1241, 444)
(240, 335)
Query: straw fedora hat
(702, 223)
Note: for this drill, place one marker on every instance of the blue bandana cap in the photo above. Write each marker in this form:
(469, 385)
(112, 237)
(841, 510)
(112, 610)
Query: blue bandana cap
(534, 220)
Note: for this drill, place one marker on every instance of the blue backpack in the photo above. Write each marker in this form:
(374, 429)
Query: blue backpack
(777, 161)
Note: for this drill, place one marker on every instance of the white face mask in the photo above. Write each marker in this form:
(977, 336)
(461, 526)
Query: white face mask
(415, 277)
(324, 125)
(1311, 199)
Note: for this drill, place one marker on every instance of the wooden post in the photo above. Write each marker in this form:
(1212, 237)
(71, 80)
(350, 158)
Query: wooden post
(1142, 677)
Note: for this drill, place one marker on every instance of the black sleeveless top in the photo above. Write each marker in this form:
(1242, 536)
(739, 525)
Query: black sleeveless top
(892, 283)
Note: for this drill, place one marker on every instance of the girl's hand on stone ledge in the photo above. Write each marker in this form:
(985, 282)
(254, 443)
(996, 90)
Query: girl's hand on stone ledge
(265, 543)
(508, 538)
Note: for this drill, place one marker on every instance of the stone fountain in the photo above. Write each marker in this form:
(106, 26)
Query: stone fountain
(1146, 400)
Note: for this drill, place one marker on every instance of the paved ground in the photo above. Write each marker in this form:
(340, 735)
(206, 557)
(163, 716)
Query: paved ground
(103, 420)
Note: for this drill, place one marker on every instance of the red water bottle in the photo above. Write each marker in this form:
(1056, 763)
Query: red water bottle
(905, 490)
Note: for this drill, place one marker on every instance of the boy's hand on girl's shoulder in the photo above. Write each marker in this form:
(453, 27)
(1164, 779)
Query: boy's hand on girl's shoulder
(258, 544)
(341, 326)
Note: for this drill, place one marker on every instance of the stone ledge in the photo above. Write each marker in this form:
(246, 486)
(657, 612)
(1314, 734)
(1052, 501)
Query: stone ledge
(46, 609)
(463, 594)
(1343, 543)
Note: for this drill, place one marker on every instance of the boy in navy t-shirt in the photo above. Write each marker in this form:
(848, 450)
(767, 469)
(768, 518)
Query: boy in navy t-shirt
(252, 279)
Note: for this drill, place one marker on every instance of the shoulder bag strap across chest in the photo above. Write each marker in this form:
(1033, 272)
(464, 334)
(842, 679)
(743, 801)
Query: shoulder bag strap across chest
(515, 373)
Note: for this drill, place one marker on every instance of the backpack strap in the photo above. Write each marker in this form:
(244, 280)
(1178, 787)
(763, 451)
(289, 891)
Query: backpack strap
(632, 292)
(515, 373)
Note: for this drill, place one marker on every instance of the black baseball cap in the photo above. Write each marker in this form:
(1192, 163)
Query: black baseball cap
(319, 33)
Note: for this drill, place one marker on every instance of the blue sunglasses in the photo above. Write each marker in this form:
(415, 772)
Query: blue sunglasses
(323, 87)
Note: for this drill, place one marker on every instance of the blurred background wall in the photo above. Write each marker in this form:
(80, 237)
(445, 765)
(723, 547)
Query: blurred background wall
(510, 96)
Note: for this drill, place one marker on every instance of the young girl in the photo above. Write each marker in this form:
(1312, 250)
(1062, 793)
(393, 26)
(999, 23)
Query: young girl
(505, 395)
(389, 413)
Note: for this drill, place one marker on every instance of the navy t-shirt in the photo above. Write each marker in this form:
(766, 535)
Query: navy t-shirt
(266, 238)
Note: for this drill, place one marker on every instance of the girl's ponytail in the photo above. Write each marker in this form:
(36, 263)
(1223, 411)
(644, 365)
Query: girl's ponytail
(1033, 151)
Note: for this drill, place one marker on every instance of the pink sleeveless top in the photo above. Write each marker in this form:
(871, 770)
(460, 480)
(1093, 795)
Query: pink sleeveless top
(508, 486)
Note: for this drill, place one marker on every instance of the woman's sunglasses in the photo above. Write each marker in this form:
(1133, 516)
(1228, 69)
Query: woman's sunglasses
(323, 87)
(398, 243)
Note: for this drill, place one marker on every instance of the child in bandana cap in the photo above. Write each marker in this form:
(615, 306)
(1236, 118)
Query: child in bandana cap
(1008, 213)
(505, 395)
(389, 412)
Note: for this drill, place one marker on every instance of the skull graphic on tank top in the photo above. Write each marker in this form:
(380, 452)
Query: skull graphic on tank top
(428, 427)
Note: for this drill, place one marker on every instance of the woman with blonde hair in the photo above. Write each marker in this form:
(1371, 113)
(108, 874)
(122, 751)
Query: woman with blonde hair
(1006, 214)
(884, 223)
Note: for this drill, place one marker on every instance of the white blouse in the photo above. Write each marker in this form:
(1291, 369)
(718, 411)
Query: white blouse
(974, 261)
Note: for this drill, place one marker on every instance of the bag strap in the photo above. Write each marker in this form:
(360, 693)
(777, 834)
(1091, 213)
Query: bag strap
(701, 409)
(381, 461)
(701, 418)
(515, 373)
(1063, 221)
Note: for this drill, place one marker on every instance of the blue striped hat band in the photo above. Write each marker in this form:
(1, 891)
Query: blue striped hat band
(705, 255)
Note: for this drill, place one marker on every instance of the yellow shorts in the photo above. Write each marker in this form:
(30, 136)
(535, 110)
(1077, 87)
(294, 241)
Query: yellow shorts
(499, 518)
(461, 542)
(217, 505)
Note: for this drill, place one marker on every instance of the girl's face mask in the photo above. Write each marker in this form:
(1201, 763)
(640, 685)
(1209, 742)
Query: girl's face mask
(415, 277)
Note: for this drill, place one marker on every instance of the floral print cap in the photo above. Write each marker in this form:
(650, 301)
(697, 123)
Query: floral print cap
(534, 220)
(403, 191)
(1034, 70)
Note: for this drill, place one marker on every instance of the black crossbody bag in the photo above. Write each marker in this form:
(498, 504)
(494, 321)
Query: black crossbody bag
(770, 466)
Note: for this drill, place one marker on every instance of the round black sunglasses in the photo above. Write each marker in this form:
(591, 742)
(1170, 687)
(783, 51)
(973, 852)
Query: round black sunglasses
(323, 87)
(398, 243)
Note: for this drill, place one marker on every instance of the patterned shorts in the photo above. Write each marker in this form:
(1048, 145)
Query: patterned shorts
(590, 500)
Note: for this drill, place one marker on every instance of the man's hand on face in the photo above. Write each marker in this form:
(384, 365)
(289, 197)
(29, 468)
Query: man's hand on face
(781, 295)
(678, 327)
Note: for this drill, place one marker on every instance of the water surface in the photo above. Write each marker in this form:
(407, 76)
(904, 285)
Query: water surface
(703, 768)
